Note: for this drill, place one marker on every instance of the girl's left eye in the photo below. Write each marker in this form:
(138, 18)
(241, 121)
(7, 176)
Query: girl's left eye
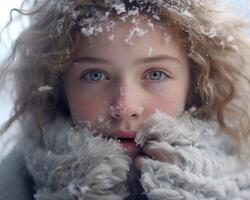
(156, 75)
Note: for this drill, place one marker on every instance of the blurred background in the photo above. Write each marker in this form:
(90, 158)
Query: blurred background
(239, 7)
(5, 101)
(5, 94)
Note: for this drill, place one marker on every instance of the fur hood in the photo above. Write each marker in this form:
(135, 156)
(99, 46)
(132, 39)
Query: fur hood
(78, 164)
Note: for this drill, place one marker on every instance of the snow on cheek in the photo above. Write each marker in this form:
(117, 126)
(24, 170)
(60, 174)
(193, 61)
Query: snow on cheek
(100, 119)
(164, 106)
(170, 105)
(103, 125)
(84, 124)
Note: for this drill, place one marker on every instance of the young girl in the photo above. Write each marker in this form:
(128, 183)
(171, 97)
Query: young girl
(129, 99)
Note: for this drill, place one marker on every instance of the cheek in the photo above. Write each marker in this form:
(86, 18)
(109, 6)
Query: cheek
(85, 108)
(172, 106)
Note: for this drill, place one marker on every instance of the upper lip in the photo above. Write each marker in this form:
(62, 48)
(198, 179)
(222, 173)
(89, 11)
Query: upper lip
(124, 134)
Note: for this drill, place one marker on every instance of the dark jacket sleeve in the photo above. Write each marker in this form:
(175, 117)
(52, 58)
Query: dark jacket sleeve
(15, 182)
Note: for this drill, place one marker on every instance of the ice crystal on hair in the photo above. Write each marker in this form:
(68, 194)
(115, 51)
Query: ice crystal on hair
(230, 38)
(210, 32)
(151, 25)
(187, 14)
(156, 17)
(135, 21)
(44, 88)
(119, 8)
(59, 26)
(235, 47)
(134, 32)
(133, 12)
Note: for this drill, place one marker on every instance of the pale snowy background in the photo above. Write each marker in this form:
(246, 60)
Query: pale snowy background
(5, 101)
(241, 7)
(5, 43)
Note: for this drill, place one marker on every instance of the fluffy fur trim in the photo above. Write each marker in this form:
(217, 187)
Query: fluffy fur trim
(202, 165)
(77, 165)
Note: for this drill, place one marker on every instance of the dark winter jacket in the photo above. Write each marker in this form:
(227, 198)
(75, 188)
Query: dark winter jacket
(15, 182)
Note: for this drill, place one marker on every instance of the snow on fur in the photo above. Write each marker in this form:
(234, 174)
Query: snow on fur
(76, 164)
(202, 162)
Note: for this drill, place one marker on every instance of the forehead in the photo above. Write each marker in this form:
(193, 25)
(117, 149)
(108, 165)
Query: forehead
(136, 30)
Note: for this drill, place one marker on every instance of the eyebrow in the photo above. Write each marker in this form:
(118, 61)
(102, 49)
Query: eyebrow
(92, 60)
(158, 58)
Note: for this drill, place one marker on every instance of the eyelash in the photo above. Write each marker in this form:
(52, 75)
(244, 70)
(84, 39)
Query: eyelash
(87, 75)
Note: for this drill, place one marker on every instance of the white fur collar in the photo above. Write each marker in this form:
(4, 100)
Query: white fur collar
(77, 165)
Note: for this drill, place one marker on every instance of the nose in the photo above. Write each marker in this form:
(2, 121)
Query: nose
(126, 105)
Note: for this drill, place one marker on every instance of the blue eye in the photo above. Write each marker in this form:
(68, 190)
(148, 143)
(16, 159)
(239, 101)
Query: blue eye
(156, 75)
(94, 75)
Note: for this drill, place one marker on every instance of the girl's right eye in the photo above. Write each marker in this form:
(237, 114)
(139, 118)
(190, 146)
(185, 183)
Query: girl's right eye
(94, 76)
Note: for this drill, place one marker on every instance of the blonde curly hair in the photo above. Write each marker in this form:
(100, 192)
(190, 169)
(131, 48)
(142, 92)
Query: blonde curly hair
(217, 50)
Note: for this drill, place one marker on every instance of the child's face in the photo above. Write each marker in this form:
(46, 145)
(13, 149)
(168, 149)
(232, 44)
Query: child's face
(115, 85)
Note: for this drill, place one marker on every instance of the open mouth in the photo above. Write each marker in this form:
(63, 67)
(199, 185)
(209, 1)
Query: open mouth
(127, 143)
